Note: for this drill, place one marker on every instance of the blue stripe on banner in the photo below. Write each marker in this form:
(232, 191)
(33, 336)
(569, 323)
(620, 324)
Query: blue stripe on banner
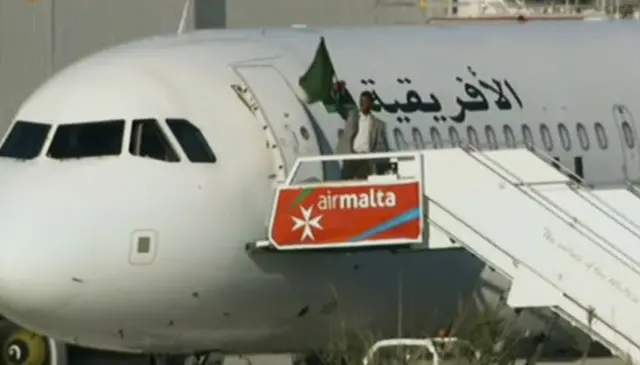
(394, 222)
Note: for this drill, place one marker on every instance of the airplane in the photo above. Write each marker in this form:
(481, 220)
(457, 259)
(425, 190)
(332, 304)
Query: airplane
(133, 179)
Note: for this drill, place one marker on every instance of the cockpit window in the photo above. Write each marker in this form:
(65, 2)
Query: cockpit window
(148, 140)
(92, 139)
(191, 140)
(25, 140)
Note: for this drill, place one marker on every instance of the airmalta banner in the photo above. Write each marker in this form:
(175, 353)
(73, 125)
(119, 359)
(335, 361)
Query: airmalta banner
(321, 216)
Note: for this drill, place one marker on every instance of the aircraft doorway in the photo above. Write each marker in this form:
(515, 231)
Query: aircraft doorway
(628, 131)
(290, 133)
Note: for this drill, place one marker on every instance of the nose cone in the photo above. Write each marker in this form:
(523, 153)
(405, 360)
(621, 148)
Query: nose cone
(30, 283)
(45, 243)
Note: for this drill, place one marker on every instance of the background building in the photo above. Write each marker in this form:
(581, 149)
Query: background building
(38, 37)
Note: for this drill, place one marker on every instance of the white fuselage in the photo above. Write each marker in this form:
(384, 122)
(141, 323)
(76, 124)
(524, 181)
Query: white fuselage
(69, 226)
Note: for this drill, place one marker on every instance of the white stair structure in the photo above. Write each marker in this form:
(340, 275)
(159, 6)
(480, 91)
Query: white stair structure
(563, 245)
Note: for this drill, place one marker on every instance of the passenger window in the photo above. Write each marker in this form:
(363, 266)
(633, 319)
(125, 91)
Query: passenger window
(454, 137)
(527, 136)
(583, 136)
(472, 136)
(401, 143)
(148, 140)
(93, 139)
(627, 132)
(547, 141)
(418, 140)
(436, 139)
(25, 140)
(491, 137)
(191, 140)
(601, 136)
(509, 137)
(565, 137)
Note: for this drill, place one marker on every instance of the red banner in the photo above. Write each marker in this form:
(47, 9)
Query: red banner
(318, 216)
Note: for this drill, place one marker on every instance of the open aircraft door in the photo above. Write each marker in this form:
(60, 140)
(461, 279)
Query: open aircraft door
(628, 131)
(290, 133)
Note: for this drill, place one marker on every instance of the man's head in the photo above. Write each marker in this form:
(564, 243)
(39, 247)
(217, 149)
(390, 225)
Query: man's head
(366, 101)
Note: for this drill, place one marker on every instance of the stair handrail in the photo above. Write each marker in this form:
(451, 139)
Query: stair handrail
(544, 156)
(621, 256)
(632, 188)
(581, 182)
(563, 313)
(415, 155)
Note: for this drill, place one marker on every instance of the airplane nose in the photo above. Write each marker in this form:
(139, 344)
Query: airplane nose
(45, 243)
(31, 283)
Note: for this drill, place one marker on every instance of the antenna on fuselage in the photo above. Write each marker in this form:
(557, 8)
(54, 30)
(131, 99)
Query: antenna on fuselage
(183, 18)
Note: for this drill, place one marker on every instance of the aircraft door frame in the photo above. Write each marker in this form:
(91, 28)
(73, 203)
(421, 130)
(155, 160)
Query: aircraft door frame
(629, 142)
(274, 100)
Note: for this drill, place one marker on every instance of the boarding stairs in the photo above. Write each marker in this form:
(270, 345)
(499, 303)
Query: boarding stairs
(563, 245)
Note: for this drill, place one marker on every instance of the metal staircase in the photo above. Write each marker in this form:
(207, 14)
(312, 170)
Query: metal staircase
(567, 252)
(570, 201)
(563, 245)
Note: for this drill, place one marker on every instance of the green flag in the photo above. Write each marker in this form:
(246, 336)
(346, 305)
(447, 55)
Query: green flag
(318, 80)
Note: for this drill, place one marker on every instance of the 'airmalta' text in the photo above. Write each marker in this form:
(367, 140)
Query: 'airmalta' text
(375, 198)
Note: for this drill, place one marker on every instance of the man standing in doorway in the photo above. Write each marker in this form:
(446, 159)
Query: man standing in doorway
(363, 133)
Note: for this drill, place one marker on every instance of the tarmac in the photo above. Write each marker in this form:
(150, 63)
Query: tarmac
(286, 360)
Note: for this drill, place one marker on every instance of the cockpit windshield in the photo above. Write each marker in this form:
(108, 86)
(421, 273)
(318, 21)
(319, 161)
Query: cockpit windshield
(191, 140)
(25, 140)
(148, 140)
(92, 139)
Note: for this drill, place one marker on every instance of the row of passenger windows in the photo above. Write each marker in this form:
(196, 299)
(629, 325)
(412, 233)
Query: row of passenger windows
(488, 137)
(105, 138)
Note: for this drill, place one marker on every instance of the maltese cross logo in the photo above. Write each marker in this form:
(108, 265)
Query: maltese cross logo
(306, 223)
